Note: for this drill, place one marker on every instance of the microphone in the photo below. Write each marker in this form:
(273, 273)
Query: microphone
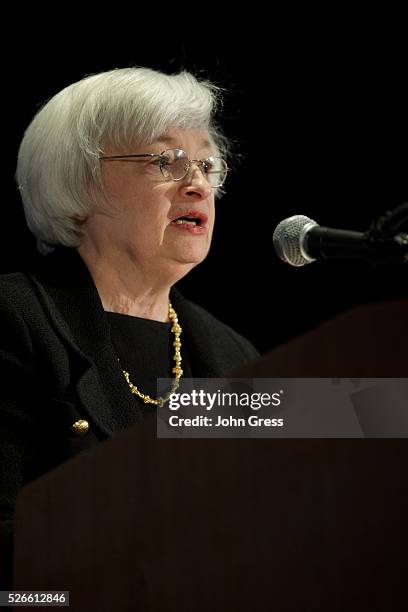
(299, 240)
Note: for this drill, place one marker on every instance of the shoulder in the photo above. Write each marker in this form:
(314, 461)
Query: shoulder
(16, 294)
(211, 329)
(16, 299)
(220, 327)
(14, 287)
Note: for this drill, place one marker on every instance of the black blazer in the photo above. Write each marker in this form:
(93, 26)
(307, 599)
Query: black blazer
(58, 366)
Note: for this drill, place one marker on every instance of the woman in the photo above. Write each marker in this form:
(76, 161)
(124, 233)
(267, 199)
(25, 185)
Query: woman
(118, 175)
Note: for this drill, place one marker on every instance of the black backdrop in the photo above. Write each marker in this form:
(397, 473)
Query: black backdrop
(323, 131)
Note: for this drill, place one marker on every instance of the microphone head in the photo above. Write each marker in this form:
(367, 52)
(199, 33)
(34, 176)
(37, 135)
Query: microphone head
(288, 240)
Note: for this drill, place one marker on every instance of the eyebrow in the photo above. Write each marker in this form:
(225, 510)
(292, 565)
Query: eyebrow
(172, 140)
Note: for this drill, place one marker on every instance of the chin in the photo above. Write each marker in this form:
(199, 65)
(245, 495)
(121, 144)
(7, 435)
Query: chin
(182, 266)
(189, 262)
(191, 254)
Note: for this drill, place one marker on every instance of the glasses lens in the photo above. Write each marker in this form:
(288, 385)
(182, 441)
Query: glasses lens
(215, 169)
(174, 164)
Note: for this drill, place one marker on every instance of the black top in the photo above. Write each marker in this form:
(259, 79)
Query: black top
(145, 350)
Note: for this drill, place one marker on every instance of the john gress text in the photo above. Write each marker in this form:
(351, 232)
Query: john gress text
(230, 421)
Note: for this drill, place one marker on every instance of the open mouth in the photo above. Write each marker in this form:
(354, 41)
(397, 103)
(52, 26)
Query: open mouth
(187, 221)
(191, 219)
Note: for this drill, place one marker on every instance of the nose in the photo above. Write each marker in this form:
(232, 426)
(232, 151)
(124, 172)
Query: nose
(195, 186)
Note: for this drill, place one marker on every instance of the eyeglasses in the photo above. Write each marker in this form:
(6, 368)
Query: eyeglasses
(175, 165)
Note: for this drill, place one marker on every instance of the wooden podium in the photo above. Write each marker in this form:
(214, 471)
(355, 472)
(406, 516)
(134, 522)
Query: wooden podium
(193, 525)
(369, 341)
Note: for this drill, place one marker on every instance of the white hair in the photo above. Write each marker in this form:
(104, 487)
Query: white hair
(58, 159)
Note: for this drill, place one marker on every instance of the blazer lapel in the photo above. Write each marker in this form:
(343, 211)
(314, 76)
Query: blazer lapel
(71, 301)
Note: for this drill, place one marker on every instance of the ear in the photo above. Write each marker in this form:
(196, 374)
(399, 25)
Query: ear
(79, 219)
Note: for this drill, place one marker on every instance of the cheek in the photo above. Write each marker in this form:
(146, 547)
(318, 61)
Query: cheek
(211, 214)
(145, 220)
(141, 206)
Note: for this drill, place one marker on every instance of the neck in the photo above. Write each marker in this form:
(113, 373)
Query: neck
(124, 288)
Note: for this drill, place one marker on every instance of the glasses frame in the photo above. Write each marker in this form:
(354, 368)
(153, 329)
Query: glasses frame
(199, 162)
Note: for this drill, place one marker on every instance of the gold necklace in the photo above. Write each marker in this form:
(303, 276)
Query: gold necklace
(160, 401)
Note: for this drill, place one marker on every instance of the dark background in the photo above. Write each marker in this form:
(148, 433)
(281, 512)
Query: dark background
(322, 124)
